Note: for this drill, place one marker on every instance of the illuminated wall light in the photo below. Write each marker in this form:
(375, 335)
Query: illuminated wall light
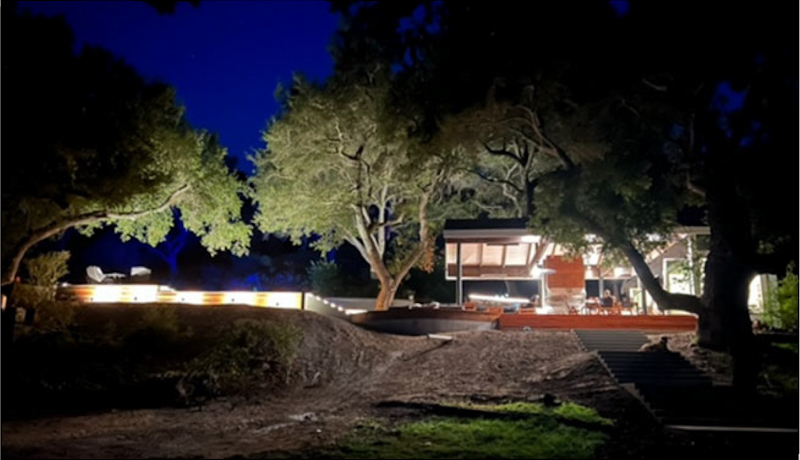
(243, 298)
(117, 293)
(192, 297)
(326, 302)
(140, 293)
(288, 300)
(105, 293)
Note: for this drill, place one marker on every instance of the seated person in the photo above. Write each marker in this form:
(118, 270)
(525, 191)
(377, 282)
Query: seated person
(607, 301)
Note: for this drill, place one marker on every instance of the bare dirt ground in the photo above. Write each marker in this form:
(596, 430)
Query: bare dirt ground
(340, 375)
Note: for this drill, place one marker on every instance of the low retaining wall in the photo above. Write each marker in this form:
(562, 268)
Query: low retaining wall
(422, 321)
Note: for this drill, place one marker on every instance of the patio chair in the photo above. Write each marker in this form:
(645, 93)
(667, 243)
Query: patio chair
(140, 274)
(95, 275)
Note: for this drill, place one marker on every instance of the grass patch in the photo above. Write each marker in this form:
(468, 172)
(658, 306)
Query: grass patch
(471, 438)
(567, 410)
(544, 435)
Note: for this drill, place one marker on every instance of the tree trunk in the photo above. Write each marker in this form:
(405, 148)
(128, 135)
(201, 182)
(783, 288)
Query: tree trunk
(665, 300)
(386, 295)
(725, 324)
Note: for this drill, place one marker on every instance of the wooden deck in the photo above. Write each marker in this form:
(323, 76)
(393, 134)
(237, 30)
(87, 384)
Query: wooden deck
(656, 323)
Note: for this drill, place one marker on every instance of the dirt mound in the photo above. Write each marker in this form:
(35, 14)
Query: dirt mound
(339, 376)
(335, 352)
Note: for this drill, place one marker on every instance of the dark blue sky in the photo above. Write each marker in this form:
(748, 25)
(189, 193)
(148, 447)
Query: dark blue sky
(224, 58)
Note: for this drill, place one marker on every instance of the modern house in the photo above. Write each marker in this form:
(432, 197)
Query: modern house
(556, 282)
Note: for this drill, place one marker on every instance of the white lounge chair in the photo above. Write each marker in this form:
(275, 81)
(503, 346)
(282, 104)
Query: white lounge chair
(95, 275)
(140, 274)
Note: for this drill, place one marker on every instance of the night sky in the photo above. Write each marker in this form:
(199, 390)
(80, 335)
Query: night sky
(224, 58)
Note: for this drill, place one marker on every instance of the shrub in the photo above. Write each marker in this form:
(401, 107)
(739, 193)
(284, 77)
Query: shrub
(156, 329)
(328, 281)
(325, 278)
(781, 308)
(47, 269)
(51, 315)
(39, 294)
(250, 351)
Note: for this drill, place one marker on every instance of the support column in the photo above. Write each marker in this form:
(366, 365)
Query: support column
(690, 255)
(643, 294)
(599, 281)
(459, 277)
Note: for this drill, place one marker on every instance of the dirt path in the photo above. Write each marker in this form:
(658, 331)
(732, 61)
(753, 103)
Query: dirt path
(341, 373)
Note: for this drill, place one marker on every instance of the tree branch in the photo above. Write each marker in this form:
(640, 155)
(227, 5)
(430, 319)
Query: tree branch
(661, 88)
(75, 221)
(665, 300)
(493, 179)
(501, 152)
(694, 188)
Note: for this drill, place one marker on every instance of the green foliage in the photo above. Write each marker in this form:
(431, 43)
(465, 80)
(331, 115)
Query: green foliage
(567, 410)
(325, 278)
(430, 286)
(54, 317)
(477, 438)
(47, 269)
(328, 280)
(335, 150)
(160, 318)
(43, 272)
(112, 149)
(623, 198)
(51, 316)
(251, 353)
(157, 329)
(781, 305)
(339, 153)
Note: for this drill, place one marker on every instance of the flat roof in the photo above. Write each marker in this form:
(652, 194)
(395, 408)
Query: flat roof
(486, 224)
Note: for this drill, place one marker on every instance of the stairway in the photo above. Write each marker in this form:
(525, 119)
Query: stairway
(677, 393)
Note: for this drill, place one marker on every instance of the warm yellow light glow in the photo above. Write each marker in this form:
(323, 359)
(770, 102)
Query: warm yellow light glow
(141, 293)
(131, 293)
(105, 294)
(289, 300)
(241, 298)
(191, 297)
(498, 299)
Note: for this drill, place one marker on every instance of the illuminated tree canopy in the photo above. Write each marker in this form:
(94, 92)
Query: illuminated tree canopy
(94, 144)
(341, 165)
